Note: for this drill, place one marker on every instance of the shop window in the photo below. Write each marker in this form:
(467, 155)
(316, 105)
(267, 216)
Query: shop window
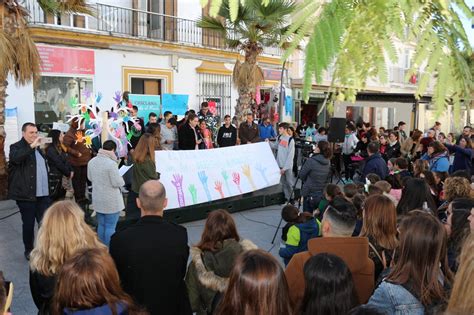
(55, 97)
(216, 88)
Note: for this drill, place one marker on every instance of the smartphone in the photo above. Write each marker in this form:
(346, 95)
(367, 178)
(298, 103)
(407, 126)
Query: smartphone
(47, 140)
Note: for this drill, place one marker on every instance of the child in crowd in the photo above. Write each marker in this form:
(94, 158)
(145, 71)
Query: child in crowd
(330, 192)
(350, 190)
(299, 228)
(387, 189)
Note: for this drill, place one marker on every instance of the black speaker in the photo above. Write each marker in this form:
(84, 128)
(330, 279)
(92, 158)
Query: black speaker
(336, 132)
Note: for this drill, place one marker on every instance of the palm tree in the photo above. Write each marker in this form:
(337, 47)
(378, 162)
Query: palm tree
(249, 29)
(19, 56)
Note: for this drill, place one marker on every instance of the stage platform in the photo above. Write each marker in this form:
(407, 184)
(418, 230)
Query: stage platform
(257, 199)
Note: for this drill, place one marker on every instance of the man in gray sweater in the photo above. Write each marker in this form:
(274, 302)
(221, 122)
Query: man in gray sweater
(285, 146)
(168, 134)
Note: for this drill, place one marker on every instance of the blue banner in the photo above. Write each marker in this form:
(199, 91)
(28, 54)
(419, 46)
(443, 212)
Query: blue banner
(146, 104)
(288, 105)
(175, 103)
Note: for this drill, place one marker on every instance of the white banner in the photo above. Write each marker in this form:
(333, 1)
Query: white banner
(197, 176)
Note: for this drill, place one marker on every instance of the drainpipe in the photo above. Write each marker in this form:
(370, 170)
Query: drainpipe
(282, 104)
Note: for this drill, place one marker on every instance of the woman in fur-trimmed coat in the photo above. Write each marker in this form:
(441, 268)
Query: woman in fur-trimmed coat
(212, 261)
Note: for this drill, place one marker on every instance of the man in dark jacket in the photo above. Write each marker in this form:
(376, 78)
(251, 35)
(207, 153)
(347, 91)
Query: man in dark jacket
(375, 163)
(227, 135)
(248, 131)
(28, 181)
(151, 256)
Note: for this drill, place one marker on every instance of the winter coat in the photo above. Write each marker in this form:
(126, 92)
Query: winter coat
(74, 148)
(103, 172)
(296, 237)
(438, 162)
(266, 132)
(353, 250)
(393, 151)
(142, 172)
(314, 174)
(408, 148)
(187, 137)
(42, 291)
(22, 171)
(99, 310)
(462, 157)
(208, 273)
(248, 133)
(59, 166)
(151, 258)
(375, 164)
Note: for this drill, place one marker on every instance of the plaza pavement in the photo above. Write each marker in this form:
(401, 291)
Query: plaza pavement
(258, 225)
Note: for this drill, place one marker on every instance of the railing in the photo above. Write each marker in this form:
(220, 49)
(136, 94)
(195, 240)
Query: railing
(137, 23)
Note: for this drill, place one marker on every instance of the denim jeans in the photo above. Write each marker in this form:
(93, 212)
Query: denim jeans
(311, 202)
(106, 224)
(31, 211)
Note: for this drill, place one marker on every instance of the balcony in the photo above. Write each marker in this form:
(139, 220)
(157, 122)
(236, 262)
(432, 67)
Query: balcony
(121, 21)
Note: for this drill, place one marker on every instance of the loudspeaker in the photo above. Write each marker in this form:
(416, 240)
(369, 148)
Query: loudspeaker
(337, 128)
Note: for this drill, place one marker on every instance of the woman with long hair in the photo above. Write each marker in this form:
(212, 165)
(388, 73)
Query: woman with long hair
(461, 301)
(420, 276)
(329, 287)
(188, 135)
(457, 227)
(463, 154)
(144, 169)
(206, 134)
(380, 227)
(63, 232)
(409, 147)
(212, 261)
(437, 157)
(257, 285)
(420, 166)
(457, 187)
(416, 195)
(315, 175)
(155, 130)
(88, 283)
(58, 164)
(431, 181)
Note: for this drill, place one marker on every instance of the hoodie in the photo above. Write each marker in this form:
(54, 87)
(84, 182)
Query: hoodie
(296, 236)
(353, 250)
(314, 174)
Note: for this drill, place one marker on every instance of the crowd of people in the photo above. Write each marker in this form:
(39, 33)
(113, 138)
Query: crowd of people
(396, 237)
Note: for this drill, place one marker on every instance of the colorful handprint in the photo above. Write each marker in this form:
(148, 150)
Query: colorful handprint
(118, 96)
(203, 178)
(226, 181)
(192, 190)
(236, 180)
(178, 184)
(79, 137)
(88, 141)
(248, 173)
(218, 187)
(262, 170)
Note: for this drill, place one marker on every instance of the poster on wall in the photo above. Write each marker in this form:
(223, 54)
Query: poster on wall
(11, 128)
(146, 104)
(194, 177)
(175, 103)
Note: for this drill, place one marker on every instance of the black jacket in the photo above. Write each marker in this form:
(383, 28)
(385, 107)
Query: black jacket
(42, 291)
(151, 257)
(22, 171)
(57, 162)
(186, 137)
(227, 137)
(393, 151)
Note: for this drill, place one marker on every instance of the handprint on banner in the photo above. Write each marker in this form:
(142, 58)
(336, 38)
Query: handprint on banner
(203, 178)
(226, 181)
(248, 173)
(178, 184)
(236, 180)
(98, 97)
(118, 96)
(218, 187)
(262, 170)
(193, 192)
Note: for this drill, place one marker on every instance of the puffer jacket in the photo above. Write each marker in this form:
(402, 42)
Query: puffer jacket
(296, 236)
(438, 162)
(314, 174)
(209, 272)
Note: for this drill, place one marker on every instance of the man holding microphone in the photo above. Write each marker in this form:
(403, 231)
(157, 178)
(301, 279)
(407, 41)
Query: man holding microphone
(28, 181)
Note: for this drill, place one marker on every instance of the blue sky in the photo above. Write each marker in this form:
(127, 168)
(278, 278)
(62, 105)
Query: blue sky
(468, 24)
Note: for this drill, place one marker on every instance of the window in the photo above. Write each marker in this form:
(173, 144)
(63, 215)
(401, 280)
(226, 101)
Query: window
(216, 88)
(146, 86)
(54, 97)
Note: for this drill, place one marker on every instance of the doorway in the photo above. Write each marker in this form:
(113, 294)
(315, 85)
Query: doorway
(146, 86)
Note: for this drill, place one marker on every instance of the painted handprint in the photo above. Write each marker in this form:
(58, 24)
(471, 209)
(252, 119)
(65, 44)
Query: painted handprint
(248, 173)
(262, 170)
(226, 180)
(118, 96)
(178, 184)
(79, 137)
(218, 187)
(236, 180)
(192, 190)
(203, 178)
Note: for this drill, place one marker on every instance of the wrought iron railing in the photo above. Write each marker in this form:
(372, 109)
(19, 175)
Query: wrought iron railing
(137, 23)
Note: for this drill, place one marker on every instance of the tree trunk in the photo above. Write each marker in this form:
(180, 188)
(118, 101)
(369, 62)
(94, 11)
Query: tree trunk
(3, 162)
